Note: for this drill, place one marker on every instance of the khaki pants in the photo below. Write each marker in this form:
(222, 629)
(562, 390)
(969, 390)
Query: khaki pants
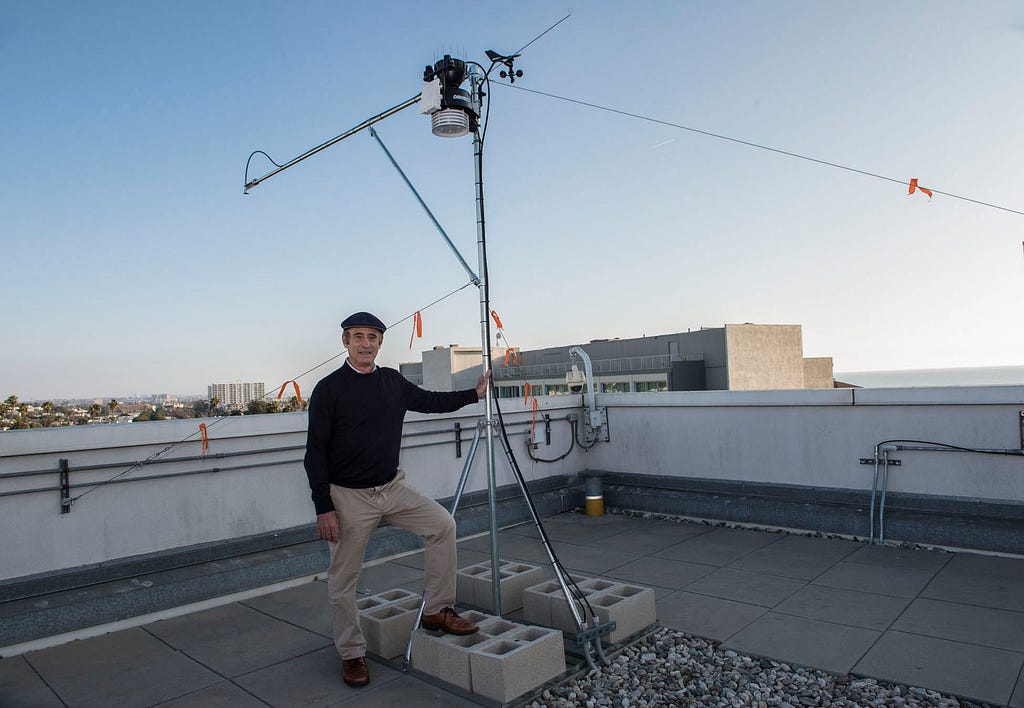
(359, 511)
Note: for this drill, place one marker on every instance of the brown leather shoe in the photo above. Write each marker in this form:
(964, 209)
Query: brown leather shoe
(354, 671)
(448, 622)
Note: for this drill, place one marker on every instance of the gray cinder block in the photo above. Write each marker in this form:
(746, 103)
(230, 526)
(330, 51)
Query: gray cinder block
(509, 666)
(596, 584)
(474, 584)
(424, 650)
(473, 616)
(446, 656)
(453, 658)
(368, 603)
(561, 616)
(496, 626)
(545, 603)
(537, 604)
(386, 628)
(515, 578)
(631, 607)
(465, 582)
(394, 595)
(386, 619)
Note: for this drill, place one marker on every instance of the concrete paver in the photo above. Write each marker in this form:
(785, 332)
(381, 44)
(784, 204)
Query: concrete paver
(635, 543)
(235, 639)
(1002, 629)
(220, 695)
(750, 588)
(812, 546)
(975, 564)
(822, 645)
(465, 557)
(893, 557)
(852, 607)
(304, 606)
(131, 667)
(584, 528)
(777, 560)
(20, 686)
(680, 530)
(404, 692)
(522, 548)
(949, 621)
(980, 580)
(1017, 701)
(705, 616)
(718, 547)
(311, 680)
(589, 559)
(967, 670)
(385, 576)
(898, 582)
(660, 572)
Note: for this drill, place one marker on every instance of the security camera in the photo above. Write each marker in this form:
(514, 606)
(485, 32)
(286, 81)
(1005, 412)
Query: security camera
(575, 380)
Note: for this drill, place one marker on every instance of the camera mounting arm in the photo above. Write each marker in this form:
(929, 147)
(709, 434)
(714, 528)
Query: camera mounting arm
(596, 418)
(249, 184)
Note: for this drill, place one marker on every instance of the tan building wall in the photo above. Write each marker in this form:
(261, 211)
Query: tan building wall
(764, 357)
(818, 372)
(453, 368)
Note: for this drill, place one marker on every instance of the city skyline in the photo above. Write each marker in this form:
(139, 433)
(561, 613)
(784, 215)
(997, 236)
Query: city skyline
(875, 378)
(125, 164)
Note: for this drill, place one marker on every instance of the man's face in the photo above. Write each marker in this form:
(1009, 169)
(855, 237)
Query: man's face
(362, 344)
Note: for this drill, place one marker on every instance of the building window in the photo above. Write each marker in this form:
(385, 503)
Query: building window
(615, 387)
(557, 389)
(509, 392)
(650, 386)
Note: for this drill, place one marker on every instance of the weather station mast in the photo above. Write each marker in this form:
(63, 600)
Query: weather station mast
(455, 112)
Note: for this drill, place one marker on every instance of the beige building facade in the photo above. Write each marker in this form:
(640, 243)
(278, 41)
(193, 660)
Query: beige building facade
(739, 357)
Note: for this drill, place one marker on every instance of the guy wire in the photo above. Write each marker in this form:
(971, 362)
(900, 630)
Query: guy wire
(220, 419)
(749, 143)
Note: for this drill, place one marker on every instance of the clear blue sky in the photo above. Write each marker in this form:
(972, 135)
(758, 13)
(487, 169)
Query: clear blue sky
(132, 263)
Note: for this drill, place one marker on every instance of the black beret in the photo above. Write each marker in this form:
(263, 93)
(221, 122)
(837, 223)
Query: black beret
(363, 319)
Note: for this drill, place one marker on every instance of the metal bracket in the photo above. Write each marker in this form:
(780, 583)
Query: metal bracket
(1021, 430)
(592, 635)
(65, 487)
(871, 461)
(458, 440)
(547, 428)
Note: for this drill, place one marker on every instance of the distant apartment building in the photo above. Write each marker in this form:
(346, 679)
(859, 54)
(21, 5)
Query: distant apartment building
(742, 357)
(235, 395)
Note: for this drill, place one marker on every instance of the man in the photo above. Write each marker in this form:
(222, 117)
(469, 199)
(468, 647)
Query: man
(352, 450)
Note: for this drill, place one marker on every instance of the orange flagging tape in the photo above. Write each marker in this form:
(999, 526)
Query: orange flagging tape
(527, 392)
(533, 423)
(511, 353)
(417, 327)
(205, 438)
(914, 185)
(295, 384)
(497, 320)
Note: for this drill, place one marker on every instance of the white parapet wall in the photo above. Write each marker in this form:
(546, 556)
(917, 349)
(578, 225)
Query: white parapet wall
(809, 438)
(817, 437)
(250, 481)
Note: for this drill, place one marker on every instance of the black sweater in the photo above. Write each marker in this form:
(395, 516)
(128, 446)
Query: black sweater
(355, 427)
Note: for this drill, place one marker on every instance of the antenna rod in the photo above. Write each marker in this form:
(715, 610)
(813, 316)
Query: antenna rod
(323, 146)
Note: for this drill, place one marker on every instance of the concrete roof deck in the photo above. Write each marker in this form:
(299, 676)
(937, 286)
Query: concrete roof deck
(952, 622)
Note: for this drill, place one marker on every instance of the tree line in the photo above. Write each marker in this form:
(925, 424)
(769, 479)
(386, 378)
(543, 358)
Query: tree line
(17, 415)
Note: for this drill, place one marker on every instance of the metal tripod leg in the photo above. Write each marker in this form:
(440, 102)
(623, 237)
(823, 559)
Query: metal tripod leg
(455, 505)
(585, 635)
